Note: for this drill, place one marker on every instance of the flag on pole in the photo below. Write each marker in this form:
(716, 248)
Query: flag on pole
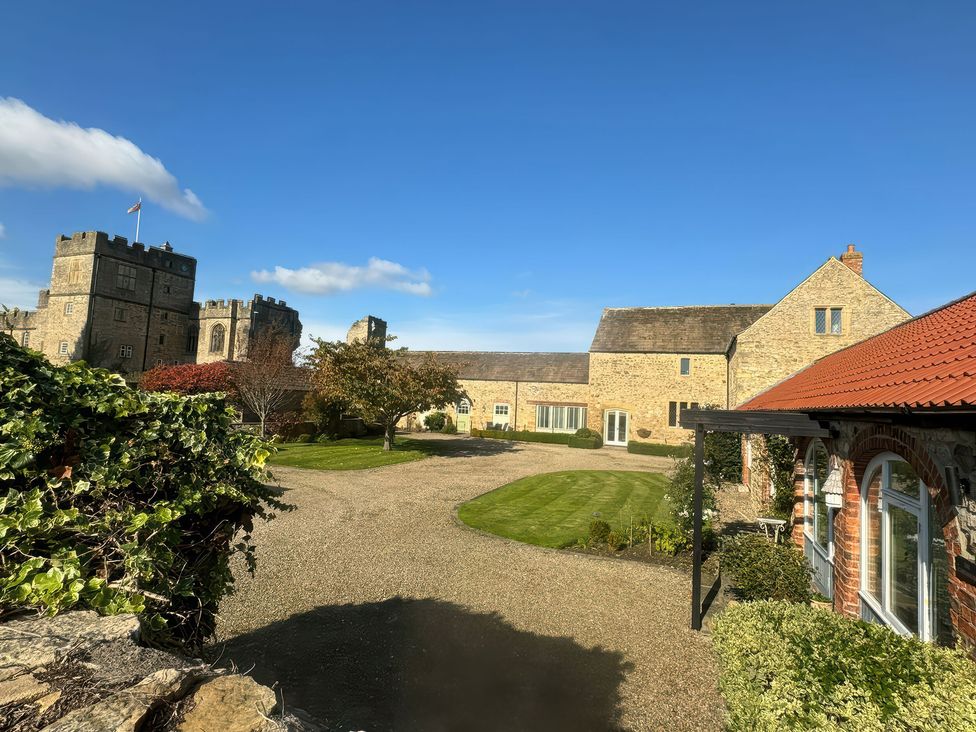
(135, 207)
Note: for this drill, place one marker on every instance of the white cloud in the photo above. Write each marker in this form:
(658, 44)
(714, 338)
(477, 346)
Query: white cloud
(18, 293)
(329, 278)
(38, 151)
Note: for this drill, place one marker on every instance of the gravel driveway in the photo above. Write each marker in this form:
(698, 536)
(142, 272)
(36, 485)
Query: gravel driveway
(375, 609)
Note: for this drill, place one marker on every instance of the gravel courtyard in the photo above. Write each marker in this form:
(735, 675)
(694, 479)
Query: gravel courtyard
(375, 609)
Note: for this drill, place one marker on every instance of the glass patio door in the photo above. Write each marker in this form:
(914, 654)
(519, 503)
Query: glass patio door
(615, 427)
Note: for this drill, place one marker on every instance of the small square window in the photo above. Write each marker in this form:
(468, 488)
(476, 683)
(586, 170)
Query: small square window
(69, 307)
(125, 351)
(162, 339)
(125, 277)
(685, 366)
(820, 320)
(63, 348)
(166, 289)
(836, 321)
(25, 339)
(501, 410)
(120, 314)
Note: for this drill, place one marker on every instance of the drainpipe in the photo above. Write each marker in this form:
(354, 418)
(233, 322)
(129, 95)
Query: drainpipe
(152, 295)
(516, 404)
(92, 289)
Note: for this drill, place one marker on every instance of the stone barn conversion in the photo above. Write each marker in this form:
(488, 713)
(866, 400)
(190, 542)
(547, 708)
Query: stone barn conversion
(886, 508)
(646, 364)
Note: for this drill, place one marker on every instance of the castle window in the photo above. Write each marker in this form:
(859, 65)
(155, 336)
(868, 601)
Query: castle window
(672, 414)
(25, 339)
(685, 366)
(217, 339)
(125, 278)
(74, 273)
(69, 307)
(191, 339)
(125, 351)
(165, 289)
(120, 314)
(162, 339)
(828, 321)
(63, 348)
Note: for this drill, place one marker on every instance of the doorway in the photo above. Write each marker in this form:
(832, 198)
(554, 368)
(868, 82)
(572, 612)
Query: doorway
(615, 427)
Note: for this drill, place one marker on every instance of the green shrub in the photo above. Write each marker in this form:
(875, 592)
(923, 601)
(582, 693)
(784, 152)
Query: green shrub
(651, 448)
(303, 438)
(668, 538)
(616, 541)
(120, 500)
(586, 443)
(435, 421)
(553, 438)
(324, 439)
(450, 428)
(599, 532)
(587, 432)
(793, 667)
(723, 456)
(681, 494)
(762, 570)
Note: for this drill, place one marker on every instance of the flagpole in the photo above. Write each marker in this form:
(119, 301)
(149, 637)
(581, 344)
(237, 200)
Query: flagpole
(138, 219)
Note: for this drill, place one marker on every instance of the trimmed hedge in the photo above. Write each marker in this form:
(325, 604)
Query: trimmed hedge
(553, 438)
(651, 448)
(793, 667)
(587, 443)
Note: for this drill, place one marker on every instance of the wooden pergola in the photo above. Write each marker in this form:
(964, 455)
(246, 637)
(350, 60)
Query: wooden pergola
(790, 424)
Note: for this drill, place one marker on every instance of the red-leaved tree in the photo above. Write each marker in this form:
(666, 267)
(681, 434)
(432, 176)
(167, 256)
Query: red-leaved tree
(190, 378)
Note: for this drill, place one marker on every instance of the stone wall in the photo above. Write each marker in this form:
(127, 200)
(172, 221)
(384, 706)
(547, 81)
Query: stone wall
(783, 341)
(643, 384)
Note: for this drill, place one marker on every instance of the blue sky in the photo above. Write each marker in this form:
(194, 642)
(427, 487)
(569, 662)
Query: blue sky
(515, 167)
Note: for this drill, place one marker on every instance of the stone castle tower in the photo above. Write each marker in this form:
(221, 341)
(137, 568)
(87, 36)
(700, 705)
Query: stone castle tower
(368, 330)
(130, 307)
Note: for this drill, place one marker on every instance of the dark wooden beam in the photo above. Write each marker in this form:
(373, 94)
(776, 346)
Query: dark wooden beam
(791, 424)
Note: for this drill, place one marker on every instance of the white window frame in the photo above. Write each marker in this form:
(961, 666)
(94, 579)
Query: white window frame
(809, 496)
(682, 364)
(63, 348)
(69, 308)
(25, 339)
(556, 418)
(125, 351)
(463, 407)
(919, 507)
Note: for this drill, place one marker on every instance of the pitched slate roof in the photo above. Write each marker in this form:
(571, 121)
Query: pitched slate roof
(926, 362)
(566, 368)
(691, 329)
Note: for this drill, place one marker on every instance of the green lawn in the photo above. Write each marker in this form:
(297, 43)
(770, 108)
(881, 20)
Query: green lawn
(555, 509)
(351, 454)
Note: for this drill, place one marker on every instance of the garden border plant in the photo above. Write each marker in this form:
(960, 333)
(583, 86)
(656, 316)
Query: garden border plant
(120, 500)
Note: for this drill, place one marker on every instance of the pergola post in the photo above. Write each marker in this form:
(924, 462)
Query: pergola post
(722, 420)
(696, 608)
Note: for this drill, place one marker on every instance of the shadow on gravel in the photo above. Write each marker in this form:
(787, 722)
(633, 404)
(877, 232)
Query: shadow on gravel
(430, 665)
(458, 447)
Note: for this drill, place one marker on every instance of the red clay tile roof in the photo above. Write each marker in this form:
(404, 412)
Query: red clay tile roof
(926, 362)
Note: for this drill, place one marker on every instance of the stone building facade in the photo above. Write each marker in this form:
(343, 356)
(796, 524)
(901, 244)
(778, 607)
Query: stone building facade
(645, 364)
(129, 307)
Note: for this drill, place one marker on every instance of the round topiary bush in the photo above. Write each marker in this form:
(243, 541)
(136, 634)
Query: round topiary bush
(435, 421)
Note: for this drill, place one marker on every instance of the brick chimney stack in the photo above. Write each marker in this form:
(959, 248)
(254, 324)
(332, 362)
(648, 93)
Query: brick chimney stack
(853, 259)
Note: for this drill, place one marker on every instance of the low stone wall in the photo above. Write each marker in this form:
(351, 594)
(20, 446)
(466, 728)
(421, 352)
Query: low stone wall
(80, 672)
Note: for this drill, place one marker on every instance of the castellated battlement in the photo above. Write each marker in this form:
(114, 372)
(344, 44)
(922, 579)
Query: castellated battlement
(259, 303)
(98, 242)
(19, 319)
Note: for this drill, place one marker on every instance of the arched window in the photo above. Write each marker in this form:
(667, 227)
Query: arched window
(817, 515)
(217, 338)
(904, 566)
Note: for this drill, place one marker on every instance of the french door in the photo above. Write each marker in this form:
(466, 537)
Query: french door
(615, 427)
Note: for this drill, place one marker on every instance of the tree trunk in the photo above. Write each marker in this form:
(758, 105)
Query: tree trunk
(389, 436)
(262, 425)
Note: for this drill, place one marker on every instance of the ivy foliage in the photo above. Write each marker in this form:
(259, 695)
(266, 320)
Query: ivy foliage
(119, 500)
